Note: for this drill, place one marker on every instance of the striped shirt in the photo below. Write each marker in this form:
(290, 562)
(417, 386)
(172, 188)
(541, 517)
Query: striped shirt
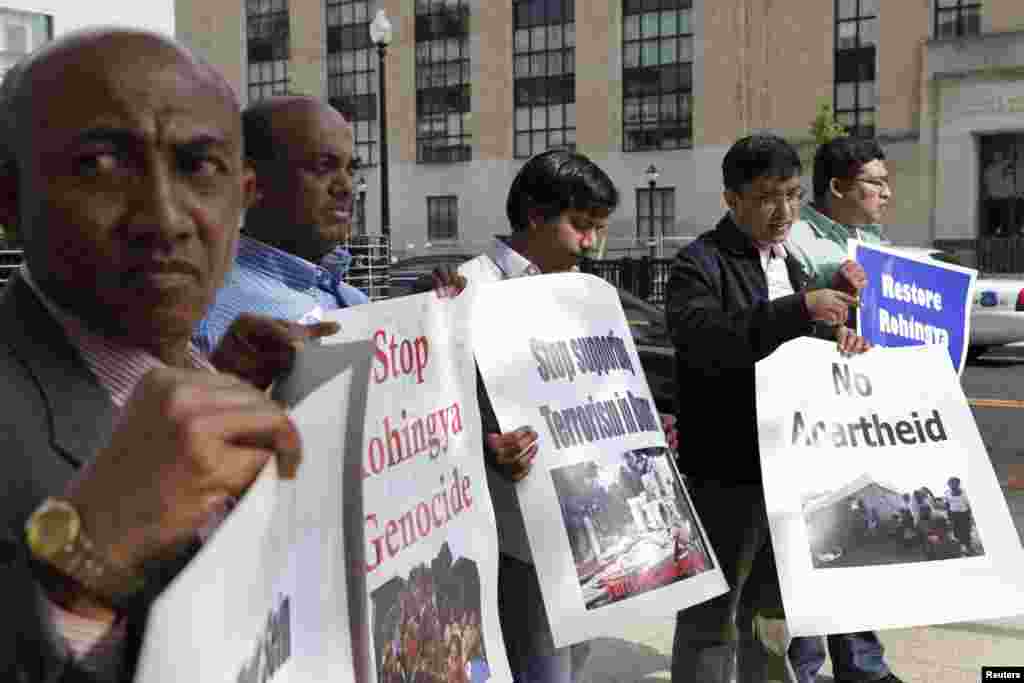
(272, 282)
(98, 645)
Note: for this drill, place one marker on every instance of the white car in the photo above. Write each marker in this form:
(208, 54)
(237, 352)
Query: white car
(997, 312)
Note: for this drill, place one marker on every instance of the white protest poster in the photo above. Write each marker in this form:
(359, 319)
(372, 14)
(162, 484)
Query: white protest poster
(611, 528)
(429, 549)
(267, 596)
(884, 508)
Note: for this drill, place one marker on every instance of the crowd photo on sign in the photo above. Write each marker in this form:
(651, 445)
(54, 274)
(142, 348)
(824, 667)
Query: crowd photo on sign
(185, 228)
(426, 626)
(870, 522)
(629, 525)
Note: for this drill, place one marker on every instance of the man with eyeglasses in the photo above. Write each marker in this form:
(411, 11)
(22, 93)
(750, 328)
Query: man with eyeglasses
(735, 295)
(851, 192)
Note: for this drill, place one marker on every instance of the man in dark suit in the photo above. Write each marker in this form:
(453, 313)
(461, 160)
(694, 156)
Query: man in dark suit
(122, 168)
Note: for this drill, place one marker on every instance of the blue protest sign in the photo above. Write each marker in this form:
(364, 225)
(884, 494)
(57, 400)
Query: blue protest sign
(911, 299)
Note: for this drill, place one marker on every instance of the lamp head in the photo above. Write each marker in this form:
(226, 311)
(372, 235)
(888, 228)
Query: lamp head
(380, 29)
(651, 174)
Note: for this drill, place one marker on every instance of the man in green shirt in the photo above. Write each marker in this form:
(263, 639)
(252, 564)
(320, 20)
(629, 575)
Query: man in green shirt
(851, 192)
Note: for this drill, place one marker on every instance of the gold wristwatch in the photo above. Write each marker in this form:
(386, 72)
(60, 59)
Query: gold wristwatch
(56, 538)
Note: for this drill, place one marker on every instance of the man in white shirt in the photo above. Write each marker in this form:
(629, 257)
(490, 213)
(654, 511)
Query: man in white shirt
(558, 206)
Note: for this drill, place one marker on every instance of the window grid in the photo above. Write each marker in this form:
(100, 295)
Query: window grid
(23, 32)
(352, 72)
(442, 218)
(1001, 185)
(442, 81)
(855, 90)
(267, 46)
(664, 213)
(657, 74)
(957, 18)
(544, 55)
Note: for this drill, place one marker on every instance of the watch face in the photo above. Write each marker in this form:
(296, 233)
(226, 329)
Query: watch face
(52, 527)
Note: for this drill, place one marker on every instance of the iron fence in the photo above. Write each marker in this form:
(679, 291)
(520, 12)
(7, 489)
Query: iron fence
(643, 277)
(10, 261)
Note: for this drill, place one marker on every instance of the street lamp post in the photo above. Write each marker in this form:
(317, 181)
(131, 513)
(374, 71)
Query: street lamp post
(361, 194)
(380, 34)
(652, 180)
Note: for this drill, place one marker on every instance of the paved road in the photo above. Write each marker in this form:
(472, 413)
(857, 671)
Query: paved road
(995, 384)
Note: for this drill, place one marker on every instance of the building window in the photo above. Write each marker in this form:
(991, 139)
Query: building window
(664, 220)
(442, 81)
(855, 83)
(22, 33)
(657, 74)
(442, 218)
(1002, 185)
(545, 75)
(352, 72)
(268, 47)
(957, 18)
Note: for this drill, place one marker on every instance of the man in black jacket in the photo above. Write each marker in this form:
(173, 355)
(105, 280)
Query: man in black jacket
(733, 297)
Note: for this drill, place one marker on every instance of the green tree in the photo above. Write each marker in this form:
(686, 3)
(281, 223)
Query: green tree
(824, 128)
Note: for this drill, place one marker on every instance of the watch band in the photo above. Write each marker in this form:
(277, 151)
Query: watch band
(56, 538)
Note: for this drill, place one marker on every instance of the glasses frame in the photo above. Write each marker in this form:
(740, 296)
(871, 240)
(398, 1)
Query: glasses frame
(769, 203)
(879, 184)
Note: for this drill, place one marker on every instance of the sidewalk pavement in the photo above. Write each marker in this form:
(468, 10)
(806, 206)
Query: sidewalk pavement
(950, 653)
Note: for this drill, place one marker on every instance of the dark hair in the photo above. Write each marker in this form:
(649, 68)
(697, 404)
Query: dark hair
(555, 181)
(258, 124)
(756, 156)
(843, 157)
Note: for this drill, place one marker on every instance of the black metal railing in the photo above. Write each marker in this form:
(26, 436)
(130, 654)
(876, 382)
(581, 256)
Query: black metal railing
(643, 277)
(10, 260)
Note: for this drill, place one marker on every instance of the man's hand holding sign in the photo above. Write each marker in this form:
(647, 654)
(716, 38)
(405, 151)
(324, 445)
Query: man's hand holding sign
(910, 300)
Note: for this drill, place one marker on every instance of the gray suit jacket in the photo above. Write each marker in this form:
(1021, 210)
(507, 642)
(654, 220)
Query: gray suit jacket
(54, 416)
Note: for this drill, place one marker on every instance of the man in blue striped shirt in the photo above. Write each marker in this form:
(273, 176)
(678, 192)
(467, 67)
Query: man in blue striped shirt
(300, 150)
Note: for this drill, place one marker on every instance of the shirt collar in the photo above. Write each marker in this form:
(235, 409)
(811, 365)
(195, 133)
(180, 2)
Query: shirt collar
(337, 261)
(767, 249)
(295, 272)
(510, 262)
(117, 367)
(823, 226)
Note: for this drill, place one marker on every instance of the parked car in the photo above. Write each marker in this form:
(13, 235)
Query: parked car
(646, 323)
(997, 311)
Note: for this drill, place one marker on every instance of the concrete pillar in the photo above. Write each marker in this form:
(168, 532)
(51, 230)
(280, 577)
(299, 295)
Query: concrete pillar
(307, 71)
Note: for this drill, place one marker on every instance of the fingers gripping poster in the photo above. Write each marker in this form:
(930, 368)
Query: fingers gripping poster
(884, 509)
(611, 530)
(267, 597)
(399, 476)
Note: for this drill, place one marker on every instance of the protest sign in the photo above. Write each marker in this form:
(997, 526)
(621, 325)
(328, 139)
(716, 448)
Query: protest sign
(911, 299)
(430, 554)
(386, 540)
(841, 447)
(267, 597)
(612, 532)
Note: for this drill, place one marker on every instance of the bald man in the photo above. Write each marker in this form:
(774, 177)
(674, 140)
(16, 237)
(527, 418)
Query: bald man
(301, 152)
(121, 165)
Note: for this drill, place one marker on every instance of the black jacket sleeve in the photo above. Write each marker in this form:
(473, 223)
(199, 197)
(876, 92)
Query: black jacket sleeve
(31, 649)
(705, 334)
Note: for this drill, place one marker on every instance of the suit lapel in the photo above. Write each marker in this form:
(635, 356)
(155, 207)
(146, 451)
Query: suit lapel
(80, 410)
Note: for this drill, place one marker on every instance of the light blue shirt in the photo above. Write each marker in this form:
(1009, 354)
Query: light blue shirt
(268, 281)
